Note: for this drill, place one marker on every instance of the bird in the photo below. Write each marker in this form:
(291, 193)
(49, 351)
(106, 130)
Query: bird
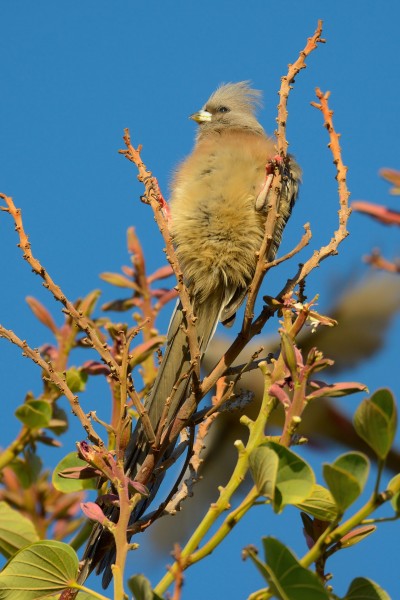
(217, 223)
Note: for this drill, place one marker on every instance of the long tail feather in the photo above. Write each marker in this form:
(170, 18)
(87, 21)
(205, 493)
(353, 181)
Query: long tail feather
(100, 550)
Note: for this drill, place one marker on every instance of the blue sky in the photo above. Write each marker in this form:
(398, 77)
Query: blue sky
(73, 75)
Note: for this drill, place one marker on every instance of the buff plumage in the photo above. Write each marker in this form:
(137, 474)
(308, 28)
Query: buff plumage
(217, 232)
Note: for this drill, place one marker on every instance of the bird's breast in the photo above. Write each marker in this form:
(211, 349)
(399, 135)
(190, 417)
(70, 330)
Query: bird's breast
(215, 226)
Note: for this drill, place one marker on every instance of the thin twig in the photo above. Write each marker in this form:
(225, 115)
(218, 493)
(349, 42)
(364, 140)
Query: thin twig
(186, 490)
(252, 328)
(178, 573)
(154, 198)
(77, 316)
(376, 260)
(259, 274)
(128, 389)
(313, 262)
(305, 240)
(165, 506)
(285, 88)
(57, 379)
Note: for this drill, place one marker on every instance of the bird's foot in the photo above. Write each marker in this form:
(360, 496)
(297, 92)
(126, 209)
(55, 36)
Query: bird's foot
(272, 164)
(163, 203)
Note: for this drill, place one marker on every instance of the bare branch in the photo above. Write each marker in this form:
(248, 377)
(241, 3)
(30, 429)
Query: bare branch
(285, 88)
(57, 379)
(78, 317)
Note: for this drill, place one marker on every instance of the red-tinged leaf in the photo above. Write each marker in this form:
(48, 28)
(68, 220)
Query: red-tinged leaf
(139, 487)
(141, 352)
(109, 499)
(67, 505)
(321, 364)
(356, 536)
(308, 530)
(49, 441)
(128, 271)
(309, 541)
(277, 392)
(49, 352)
(79, 473)
(165, 298)
(159, 292)
(119, 281)
(41, 313)
(67, 485)
(85, 451)
(122, 305)
(92, 367)
(322, 319)
(317, 384)
(336, 390)
(93, 512)
(115, 329)
(87, 305)
(135, 248)
(161, 273)
(380, 213)
(393, 177)
(58, 424)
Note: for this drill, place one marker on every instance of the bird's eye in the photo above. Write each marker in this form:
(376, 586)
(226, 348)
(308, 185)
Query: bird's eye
(223, 109)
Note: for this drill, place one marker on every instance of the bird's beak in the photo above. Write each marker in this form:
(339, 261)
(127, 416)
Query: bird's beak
(202, 116)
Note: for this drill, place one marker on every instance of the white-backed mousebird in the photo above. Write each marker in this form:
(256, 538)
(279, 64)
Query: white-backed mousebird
(217, 222)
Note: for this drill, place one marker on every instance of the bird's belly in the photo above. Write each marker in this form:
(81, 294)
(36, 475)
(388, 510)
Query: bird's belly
(219, 232)
(216, 228)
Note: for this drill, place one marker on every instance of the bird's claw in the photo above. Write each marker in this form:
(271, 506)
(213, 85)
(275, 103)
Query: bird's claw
(272, 164)
(164, 206)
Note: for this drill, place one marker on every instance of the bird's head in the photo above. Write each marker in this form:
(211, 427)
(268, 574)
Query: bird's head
(232, 105)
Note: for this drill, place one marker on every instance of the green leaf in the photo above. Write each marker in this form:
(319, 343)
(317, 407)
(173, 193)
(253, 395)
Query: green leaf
(287, 579)
(141, 588)
(289, 355)
(346, 478)
(28, 469)
(375, 421)
(34, 414)
(41, 569)
(72, 485)
(76, 380)
(264, 464)
(319, 504)
(294, 480)
(16, 531)
(394, 487)
(58, 424)
(365, 589)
